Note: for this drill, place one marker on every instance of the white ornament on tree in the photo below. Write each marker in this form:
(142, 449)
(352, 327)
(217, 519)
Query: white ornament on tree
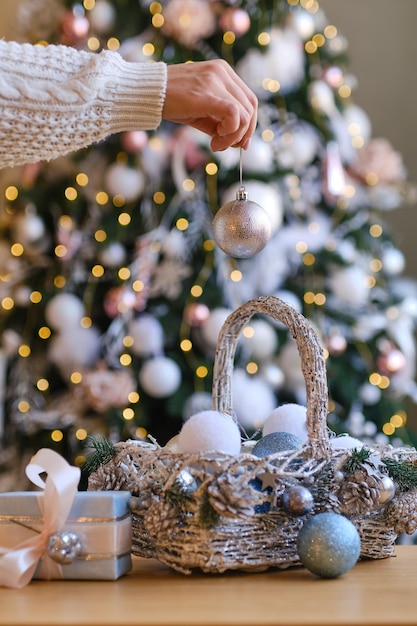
(370, 394)
(125, 181)
(262, 341)
(297, 146)
(64, 311)
(196, 403)
(289, 361)
(147, 334)
(259, 157)
(114, 255)
(303, 23)
(253, 399)
(290, 298)
(282, 62)
(211, 327)
(350, 285)
(74, 348)
(322, 98)
(102, 16)
(355, 117)
(272, 375)
(160, 377)
(28, 228)
(393, 261)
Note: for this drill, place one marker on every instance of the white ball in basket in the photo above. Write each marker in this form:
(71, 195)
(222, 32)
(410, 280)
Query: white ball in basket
(346, 442)
(209, 431)
(288, 418)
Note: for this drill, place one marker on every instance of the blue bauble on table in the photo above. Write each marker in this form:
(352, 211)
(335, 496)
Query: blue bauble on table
(328, 545)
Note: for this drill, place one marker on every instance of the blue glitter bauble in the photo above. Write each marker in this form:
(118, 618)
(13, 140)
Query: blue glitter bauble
(276, 442)
(328, 545)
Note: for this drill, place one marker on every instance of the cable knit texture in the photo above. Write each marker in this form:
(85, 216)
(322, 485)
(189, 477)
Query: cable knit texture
(55, 100)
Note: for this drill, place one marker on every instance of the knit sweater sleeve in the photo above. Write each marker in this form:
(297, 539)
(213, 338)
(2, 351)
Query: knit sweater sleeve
(55, 99)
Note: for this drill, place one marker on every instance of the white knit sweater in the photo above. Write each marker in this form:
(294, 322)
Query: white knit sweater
(54, 99)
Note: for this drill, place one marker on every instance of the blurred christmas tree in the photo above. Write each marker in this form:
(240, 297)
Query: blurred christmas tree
(112, 289)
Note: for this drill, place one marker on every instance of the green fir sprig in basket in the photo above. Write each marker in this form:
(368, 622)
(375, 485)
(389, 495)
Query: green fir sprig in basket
(103, 451)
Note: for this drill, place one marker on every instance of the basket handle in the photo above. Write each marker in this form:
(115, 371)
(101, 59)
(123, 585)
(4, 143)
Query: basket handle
(312, 363)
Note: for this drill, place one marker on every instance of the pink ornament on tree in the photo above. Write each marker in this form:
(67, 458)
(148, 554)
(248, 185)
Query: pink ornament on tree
(134, 141)
(74, 28)
(235, 20)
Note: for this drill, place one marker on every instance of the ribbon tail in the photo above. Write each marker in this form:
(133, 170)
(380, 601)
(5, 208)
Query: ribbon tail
(18, 567)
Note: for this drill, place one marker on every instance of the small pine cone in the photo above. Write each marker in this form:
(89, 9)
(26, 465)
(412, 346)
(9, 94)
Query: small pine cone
(105, 478)
(233, 497)
(330, 504)
(360, 494)
(401, 513)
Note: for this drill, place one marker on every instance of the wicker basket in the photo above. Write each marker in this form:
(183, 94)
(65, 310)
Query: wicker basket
(216, 512)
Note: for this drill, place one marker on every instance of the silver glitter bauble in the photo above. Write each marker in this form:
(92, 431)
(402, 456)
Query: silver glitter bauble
(328, 545)
(386, 490)
(186, 482)
(63, 547)
(241, 228)
(297, 500)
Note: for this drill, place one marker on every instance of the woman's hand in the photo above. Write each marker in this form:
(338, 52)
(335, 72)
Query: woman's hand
(211, 97)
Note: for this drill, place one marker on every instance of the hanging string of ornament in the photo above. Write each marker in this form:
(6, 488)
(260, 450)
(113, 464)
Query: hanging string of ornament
(241, 227)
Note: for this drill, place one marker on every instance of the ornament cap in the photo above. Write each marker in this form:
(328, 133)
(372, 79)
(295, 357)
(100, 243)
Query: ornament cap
(241, 193)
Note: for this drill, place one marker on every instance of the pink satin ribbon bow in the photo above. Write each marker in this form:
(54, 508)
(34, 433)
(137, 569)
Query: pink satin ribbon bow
(18, 564)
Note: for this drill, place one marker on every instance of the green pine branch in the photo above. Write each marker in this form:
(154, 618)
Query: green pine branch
(357, 458)
(103, 452)
(179, 496)
(208, 516)
(402, 473)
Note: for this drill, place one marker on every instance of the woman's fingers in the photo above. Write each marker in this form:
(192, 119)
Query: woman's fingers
(210, 96)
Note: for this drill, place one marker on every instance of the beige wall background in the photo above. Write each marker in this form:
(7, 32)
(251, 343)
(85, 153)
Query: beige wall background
(7, 13)
(382, 38)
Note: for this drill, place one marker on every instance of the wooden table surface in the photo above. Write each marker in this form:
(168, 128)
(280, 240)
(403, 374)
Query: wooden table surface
(375, 593)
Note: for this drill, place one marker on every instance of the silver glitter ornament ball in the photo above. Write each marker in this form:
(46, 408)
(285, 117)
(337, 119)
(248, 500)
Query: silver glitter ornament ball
(387, 490)
(186, 482)
(241, 228)
(297, 500)
(328, 545)
(63, 547)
